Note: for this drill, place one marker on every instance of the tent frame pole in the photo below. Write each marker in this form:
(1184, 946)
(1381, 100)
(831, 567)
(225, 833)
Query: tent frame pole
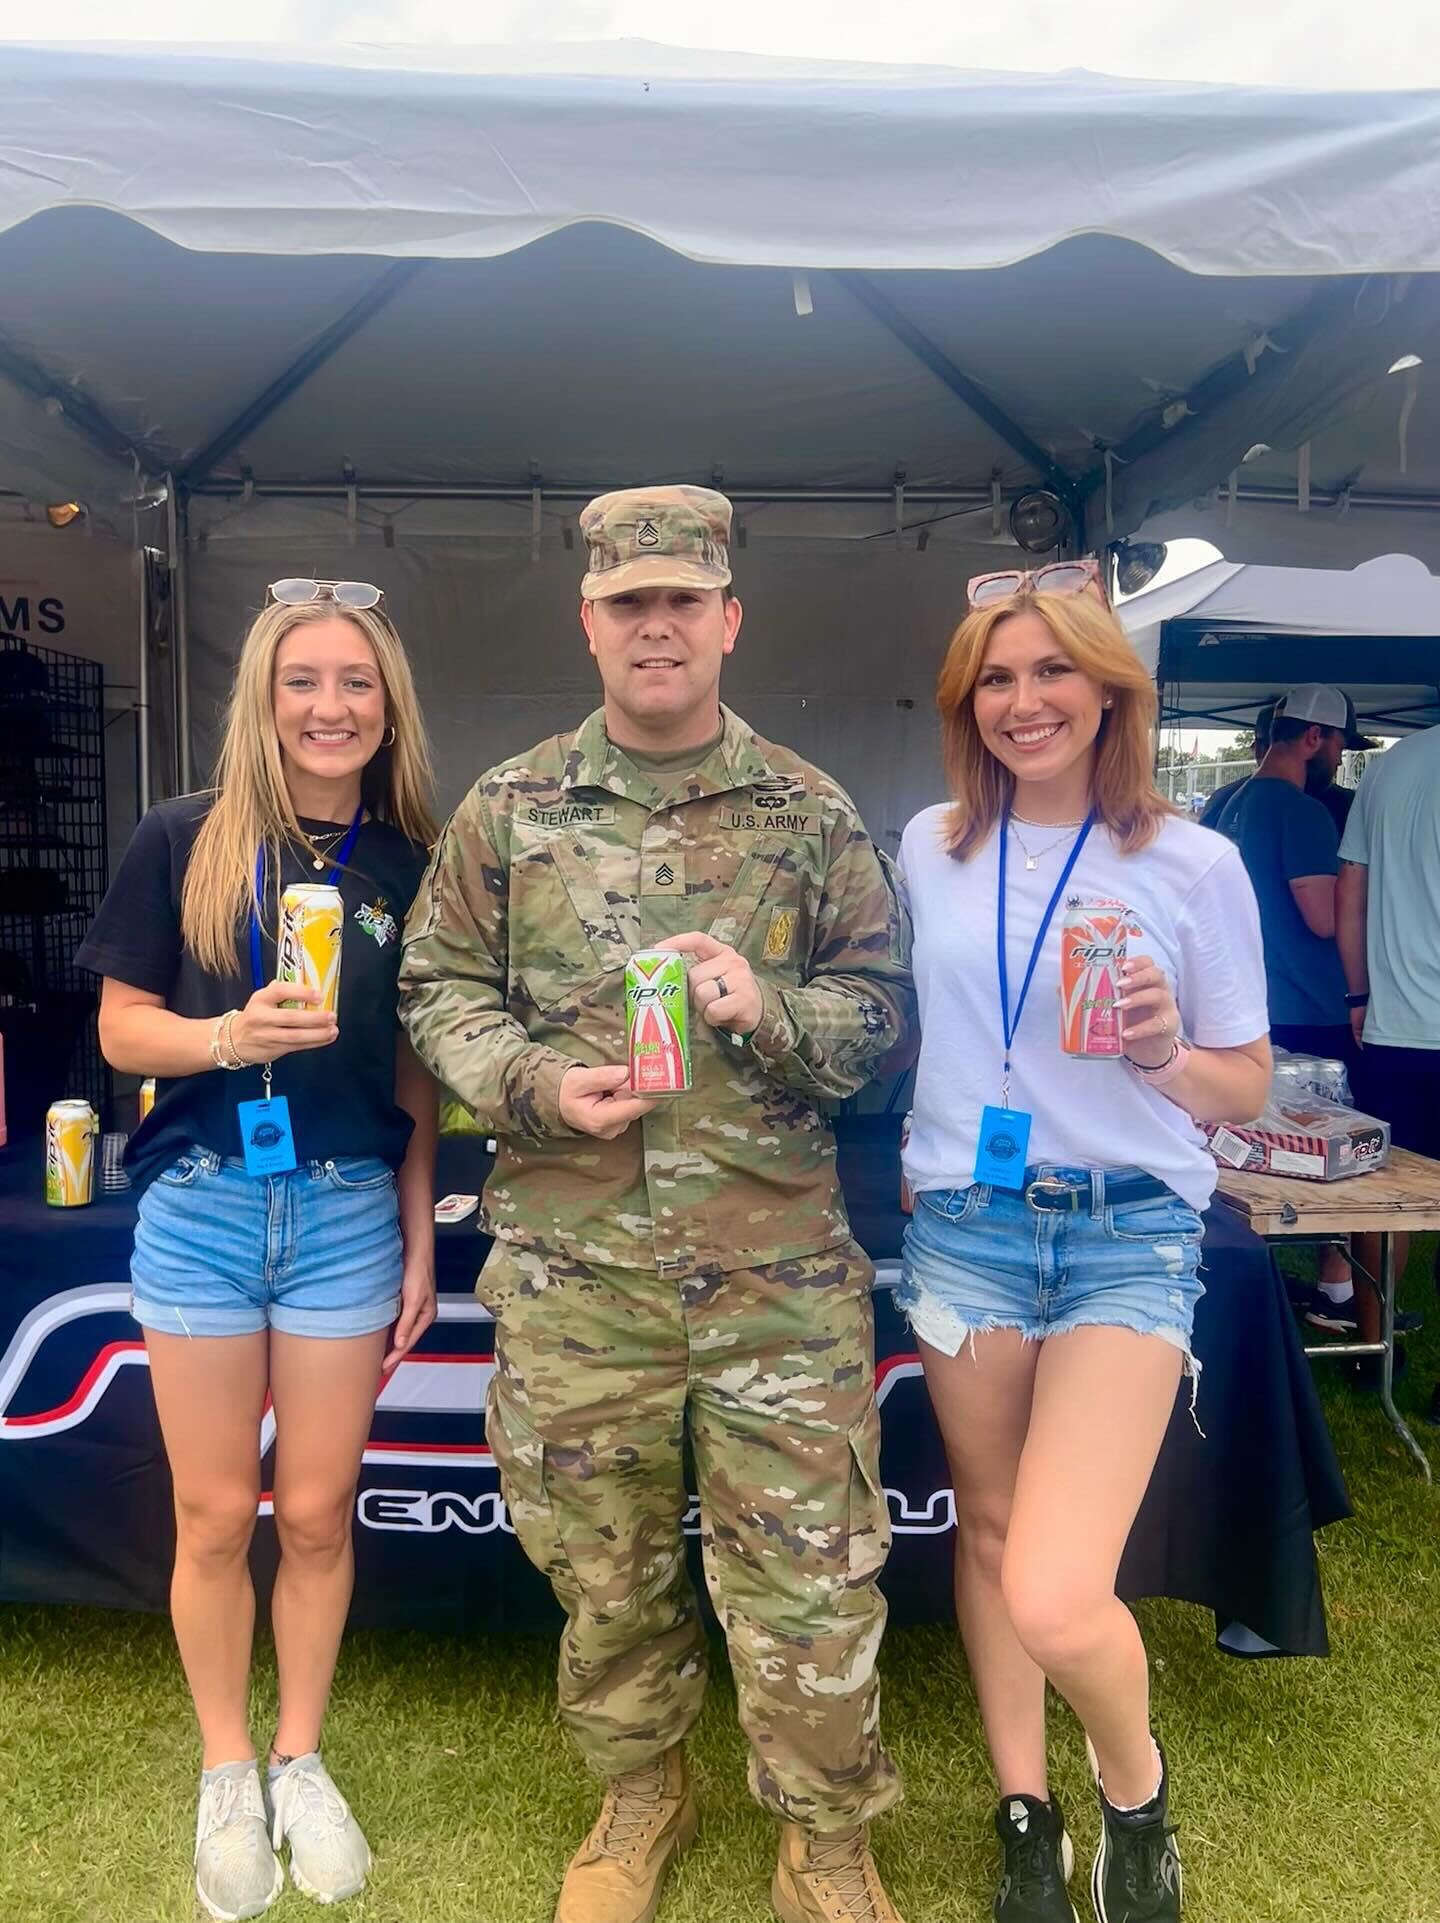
(378, 295)
(177, 529)
(142, 686)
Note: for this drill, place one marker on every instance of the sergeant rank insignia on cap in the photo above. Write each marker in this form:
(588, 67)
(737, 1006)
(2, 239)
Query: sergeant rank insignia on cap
(656, 537)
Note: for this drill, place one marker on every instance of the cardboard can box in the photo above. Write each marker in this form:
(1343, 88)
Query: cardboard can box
(1302, 1135)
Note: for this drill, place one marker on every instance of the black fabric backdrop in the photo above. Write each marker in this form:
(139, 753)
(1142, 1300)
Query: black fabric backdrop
(85, 1500)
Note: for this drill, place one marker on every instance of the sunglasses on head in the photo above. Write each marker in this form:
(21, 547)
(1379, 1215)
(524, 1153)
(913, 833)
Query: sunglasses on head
(1056, 577)
(299, 592)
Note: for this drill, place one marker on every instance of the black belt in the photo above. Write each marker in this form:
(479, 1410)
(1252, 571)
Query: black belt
(1050, 1190)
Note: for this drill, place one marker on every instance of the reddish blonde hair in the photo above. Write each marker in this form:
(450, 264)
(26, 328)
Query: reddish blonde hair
(1123, 791)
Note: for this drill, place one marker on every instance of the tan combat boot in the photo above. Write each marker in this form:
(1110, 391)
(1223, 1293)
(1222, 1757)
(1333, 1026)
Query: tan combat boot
(647, 1819)
(829, 1877)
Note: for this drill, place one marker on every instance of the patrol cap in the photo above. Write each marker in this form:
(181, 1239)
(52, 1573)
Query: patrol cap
(656, 537)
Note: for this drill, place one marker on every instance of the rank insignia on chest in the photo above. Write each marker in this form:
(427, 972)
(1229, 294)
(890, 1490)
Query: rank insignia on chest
(780, 937)
(663, 875)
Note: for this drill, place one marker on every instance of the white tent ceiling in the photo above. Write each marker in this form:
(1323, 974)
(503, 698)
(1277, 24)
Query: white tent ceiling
(476, 285)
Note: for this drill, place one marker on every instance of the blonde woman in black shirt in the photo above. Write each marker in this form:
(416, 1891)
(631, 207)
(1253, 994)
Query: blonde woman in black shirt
(277, 1244)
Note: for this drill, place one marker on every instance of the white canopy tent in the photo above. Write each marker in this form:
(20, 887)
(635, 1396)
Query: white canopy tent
(1228, 638)
(398, 312)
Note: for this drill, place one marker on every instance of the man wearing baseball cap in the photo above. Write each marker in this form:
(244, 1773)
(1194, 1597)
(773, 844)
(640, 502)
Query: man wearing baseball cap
(1290, 845)
(685, 1265)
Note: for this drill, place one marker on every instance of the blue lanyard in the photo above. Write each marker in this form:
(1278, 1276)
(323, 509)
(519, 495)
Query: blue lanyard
(1010, 1027)
(347, 847)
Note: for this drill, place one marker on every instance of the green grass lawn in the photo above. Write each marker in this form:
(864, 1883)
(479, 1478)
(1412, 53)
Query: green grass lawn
(1307, 1792)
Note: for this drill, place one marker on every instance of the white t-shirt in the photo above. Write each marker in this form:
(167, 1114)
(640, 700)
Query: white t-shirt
(1394, 830)
(1188, 891)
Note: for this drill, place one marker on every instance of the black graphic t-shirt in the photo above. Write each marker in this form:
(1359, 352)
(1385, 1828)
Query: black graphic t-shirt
(342, 1098)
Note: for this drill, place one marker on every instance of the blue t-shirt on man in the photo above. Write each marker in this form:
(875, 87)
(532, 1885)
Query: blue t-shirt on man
(1282, 835)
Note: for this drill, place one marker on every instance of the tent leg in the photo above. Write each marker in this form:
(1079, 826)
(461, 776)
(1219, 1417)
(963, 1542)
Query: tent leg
(142, 688)
(180, 634)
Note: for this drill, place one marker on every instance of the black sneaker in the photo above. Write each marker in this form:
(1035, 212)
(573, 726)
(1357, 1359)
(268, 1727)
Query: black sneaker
(1137, 1876)
(1038, 1861)
(1324, 1312)
(1340, 1318)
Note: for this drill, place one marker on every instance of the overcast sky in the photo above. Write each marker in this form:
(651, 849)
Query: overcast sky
(1325, 43)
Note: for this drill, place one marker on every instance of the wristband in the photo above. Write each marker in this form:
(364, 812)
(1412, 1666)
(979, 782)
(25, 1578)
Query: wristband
(1168, 1071)
(1361, 1000)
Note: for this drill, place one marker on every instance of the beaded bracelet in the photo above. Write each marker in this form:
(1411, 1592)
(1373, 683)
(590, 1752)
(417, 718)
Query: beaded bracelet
(221, 1043)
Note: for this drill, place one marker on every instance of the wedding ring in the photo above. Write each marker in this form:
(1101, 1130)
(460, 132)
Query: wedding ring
(723, 991)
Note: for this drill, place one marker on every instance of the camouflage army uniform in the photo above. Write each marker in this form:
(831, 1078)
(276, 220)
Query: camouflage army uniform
(701, 1264)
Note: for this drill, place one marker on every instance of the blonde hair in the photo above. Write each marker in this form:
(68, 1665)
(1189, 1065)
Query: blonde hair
(252, 806)
(1123, 791)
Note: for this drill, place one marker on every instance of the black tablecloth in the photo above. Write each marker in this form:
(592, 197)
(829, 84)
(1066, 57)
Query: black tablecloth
(84, 1494)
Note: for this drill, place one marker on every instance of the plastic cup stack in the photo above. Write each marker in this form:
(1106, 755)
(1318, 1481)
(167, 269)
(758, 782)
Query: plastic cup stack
(112, 1164)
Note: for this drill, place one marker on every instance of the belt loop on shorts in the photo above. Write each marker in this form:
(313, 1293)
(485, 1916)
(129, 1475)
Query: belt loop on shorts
(1097, 1194)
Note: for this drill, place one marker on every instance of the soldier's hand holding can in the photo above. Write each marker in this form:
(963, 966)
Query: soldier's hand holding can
(597, 1101)
(723, 987)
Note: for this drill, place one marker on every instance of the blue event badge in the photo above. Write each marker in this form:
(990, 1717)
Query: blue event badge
(266, 1139)
(1004, 1139)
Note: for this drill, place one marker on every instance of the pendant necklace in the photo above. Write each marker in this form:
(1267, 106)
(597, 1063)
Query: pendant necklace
(318, 852)
(1032, 857)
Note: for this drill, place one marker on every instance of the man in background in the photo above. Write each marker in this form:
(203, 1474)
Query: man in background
(1388, 926)
(1290, 846)
(1320, 775)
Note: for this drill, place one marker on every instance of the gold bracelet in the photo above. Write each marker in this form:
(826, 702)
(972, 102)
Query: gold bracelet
(220, 1041)
(237, 1060)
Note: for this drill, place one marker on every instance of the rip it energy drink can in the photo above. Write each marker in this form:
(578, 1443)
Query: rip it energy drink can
(657, 1023)
(1093, 944)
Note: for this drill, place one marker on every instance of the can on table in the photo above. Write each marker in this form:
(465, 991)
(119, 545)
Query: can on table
(312, 921)
(147, 1096)
(70, 1129)
(657, 1022)
(1093, 944)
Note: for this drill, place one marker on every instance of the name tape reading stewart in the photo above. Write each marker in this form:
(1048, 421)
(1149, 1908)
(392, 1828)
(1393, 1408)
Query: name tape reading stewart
(572, 814)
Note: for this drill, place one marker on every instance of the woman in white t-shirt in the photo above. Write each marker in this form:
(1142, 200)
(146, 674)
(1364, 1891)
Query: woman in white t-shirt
(1050, 1268)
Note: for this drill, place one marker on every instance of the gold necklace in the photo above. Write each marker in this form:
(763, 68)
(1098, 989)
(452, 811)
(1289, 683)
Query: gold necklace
(1032, 857)
(318, 853)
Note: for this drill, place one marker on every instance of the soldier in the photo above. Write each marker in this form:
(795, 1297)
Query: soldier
(690, 1258)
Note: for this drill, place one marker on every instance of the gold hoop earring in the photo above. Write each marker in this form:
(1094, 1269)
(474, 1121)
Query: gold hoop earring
(391, 732)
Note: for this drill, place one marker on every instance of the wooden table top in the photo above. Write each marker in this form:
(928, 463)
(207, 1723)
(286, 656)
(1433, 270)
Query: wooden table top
(1403, 1195)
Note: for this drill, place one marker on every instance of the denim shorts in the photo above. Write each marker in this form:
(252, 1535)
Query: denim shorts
(313, 1252)
(982, 1258)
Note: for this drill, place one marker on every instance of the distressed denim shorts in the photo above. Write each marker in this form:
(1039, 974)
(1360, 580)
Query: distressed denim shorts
(314, 1252)
(982, 1258)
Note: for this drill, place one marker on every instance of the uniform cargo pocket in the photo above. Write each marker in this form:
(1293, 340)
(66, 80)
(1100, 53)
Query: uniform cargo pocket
(869, 1542)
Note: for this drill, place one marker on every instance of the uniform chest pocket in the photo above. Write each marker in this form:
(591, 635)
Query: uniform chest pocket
(769, 913)
(568, 931)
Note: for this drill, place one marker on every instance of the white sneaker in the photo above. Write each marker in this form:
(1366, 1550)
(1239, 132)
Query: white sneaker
(329, 1857)
(236, 1871)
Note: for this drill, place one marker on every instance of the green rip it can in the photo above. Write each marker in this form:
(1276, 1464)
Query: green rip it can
(657, 1022)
